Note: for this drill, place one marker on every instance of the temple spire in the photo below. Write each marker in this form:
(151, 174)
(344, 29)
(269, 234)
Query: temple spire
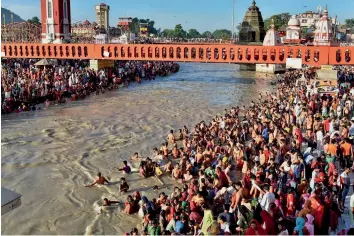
(272, 25)
(253, 3)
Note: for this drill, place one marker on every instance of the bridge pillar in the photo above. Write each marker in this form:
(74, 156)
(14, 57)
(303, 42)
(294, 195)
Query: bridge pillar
(271, 68)
(247, 67)
(100, 64)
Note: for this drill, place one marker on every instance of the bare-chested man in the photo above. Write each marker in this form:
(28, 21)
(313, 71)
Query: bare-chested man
(99, 180)
(171, 137)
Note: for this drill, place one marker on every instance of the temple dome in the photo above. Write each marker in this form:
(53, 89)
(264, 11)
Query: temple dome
(294, 21)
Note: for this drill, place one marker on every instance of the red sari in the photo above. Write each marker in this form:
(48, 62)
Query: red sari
(269, 222)
(257, 231)
(318, 210)
(290, 204)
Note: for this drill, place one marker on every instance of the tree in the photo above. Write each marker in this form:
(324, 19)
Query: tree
(134, 26)
(34, 20)
(280, 20)
(179, 32)
(169, 33)
(207, 34)
(239, 26)
(349, 23)
(224, 34)
(151, 28)
(193, 33)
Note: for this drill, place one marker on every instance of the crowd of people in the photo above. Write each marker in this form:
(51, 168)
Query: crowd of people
(25, 85)
(280, 166)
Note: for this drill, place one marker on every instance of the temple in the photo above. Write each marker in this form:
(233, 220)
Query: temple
(293, 31)
(324, 32)
(252, 28)
(272, 39)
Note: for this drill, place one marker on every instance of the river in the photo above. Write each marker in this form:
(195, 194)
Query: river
(49, 155)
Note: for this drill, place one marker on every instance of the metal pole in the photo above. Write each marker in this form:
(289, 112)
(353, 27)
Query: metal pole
(233, 19)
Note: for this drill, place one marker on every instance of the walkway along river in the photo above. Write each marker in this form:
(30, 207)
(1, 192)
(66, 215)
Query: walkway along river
(48, 156)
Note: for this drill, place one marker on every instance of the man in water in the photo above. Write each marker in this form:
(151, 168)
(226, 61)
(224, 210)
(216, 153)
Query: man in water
(126, 168)
(171, 137)
(135, 157)
(107, 202)
(99, 180)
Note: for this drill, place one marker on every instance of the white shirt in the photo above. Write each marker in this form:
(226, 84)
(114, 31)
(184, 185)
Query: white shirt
(267, 199)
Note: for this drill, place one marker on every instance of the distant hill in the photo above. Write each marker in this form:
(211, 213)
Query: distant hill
(8, 19)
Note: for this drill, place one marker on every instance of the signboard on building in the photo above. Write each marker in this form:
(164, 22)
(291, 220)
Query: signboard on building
(294, 63)
(100, 64)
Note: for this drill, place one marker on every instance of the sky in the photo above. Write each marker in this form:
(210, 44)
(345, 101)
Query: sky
(199, 14)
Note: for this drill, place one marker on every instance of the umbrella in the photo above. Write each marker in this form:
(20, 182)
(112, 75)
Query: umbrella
(44, 62)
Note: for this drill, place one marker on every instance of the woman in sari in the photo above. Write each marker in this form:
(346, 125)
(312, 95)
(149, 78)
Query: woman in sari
(208, 219)
(268, 222)
(255, 229)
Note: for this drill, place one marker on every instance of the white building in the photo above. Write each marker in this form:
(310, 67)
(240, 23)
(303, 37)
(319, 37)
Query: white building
(293, 31)
(309, 19)
(324, 34)
(272, 38)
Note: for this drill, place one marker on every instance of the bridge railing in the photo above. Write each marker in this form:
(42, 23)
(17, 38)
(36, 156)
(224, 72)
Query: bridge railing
(213, 53)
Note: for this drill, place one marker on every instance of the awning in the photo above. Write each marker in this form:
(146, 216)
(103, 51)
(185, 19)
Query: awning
(9, 200)
(44, 62)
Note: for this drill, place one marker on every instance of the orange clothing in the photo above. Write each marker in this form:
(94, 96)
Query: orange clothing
(332, 149)
(346, 149)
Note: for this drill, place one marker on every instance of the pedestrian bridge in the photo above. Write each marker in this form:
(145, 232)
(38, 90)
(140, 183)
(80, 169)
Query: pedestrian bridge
(211, 53)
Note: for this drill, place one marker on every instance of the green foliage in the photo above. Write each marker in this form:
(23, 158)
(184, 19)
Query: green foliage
(134, 26)
(34, 20)
(280, 20)
(169, 33)
(222, 34)
(206, 34)
(193, 33)
(349, 23)
(179, 32)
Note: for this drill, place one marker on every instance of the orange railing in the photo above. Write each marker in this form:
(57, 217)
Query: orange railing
(223, 53)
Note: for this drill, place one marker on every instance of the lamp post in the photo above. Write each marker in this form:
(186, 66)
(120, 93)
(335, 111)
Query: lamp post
(233, 19)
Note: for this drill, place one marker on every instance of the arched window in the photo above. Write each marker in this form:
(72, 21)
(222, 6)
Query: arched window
(49, 9)
(65, 9)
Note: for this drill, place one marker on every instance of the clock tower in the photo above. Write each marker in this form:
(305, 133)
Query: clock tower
(56, 21)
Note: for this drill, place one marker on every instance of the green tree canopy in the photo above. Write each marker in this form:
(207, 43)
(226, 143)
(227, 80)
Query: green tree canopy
(169, 33)
(179, 32)
(280, 20)
(349, 23)
(206, 34)
(134, 26)
(34, 20)
(193, 33)
(222, 34)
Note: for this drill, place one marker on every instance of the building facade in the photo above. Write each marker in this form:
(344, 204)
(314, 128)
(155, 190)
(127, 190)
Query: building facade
(309, 19)
(84, 29)
(56, 21)
(102, 15)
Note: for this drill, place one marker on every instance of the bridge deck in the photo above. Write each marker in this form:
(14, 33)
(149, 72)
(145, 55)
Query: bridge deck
(221, 53)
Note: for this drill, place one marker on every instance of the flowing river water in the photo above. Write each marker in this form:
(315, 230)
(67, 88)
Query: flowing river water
(49, 155)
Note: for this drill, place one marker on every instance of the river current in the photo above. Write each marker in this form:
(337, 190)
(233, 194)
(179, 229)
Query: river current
(49, 155)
